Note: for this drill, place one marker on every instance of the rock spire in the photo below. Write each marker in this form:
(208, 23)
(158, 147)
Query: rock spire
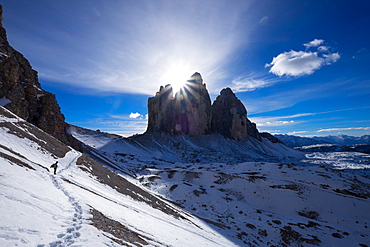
(187, 112)
(229, 117)
(190, 112)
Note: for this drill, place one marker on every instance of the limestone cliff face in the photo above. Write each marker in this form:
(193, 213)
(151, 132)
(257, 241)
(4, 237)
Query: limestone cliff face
(161, 111)
(229, 117)
(190, 112)
(193, 108)
(187, 112)
(21, 93)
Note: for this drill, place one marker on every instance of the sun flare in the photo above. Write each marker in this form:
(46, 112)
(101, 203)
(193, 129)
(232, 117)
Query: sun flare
(176, 75)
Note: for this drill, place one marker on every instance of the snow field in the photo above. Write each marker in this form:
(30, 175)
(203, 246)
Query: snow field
(250, 197)
(38, 208)
(139, 216)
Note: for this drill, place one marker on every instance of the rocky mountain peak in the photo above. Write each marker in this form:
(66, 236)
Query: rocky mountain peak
(190, 112)
(2, 30)
(229, 117)
(196, 78)
(21, 92)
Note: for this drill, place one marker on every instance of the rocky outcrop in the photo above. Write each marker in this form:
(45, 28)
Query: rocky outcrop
(161, 107)
(229, 117)
(187, 112)
(190, 112)
(270, 137)
(21, 93)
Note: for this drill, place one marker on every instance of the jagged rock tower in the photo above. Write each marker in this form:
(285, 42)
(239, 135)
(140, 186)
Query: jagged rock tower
(21, 93)
(187, 112)
(229, 117)
(190, 112)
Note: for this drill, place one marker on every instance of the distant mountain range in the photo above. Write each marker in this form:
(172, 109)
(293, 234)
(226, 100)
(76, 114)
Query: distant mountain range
(341, 140)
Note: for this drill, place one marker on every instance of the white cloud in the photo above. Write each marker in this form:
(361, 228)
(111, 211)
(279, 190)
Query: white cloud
(314, 43)
(297, 132)
(295, 63)
(331, 58)
(131, 117)
(135, 115)
(275, 123)
(344, 129)
(300, 63)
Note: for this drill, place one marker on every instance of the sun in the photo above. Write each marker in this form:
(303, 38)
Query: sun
(176, 75)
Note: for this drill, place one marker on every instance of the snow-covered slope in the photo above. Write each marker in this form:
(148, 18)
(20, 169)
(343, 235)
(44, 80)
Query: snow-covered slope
(227, 203)
(85, 204)
(266, 204)
(169, 148)
(253, 203)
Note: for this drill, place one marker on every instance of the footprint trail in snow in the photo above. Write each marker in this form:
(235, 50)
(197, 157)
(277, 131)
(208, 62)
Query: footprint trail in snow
(72, 233)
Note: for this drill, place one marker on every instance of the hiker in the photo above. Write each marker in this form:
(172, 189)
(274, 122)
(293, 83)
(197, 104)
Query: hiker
(55, 166)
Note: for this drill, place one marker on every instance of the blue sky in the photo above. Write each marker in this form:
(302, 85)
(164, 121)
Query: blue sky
(299, 67)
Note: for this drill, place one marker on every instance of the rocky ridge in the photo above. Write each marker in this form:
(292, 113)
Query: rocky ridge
(191, 113)
(21, 92)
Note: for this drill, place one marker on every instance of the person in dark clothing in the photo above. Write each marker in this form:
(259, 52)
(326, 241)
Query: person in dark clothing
(55, 166)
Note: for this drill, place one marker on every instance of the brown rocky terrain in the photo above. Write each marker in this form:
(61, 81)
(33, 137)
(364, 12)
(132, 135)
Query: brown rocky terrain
(21, 92)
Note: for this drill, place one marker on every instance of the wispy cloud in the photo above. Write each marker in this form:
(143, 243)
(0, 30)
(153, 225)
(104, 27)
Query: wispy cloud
(271, 119)
(361, 52)
(275, 123)
(127, 48)
(290, 119)
(297, 132)
(124, 125)
(314, 43)
(343, 129)
(251, 82)
(299, 63)
(289, 97)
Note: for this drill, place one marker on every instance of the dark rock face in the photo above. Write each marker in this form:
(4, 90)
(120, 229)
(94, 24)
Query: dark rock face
(272, 138)
(229, 117)
(161, 111)
(21, 93)
(188, 112)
